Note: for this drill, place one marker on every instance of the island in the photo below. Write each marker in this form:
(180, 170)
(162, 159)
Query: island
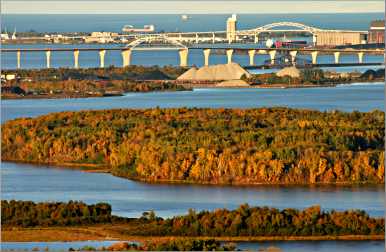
(259, 146)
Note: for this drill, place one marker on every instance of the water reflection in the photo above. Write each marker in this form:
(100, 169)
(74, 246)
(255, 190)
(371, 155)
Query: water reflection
(130, 198)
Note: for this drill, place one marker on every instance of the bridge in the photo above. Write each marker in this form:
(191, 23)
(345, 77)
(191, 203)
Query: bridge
(321, 37)
(177, 41)
(163, 43)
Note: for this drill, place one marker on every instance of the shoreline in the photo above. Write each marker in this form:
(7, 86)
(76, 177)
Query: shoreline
(189, 87)
(93, 168)
(107, 233)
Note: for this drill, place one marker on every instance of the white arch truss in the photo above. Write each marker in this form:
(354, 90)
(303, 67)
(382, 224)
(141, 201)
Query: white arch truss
(156, 38)
(288, 24)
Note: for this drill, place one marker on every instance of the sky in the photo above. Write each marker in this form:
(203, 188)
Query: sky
(189, 6)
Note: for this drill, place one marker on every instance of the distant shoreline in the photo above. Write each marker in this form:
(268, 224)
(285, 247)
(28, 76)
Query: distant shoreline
(196, 86)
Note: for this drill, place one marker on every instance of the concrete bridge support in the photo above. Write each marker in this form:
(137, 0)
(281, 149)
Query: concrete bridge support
(126, 57)
(256, 38)
(183, 57)
(102, 54)
(272, 54)
(18, 59)
(48, 58)
(314, 56)
(251, 54)
(76, 58)
(336, 56)
(196, 38)
(229, 55)
(360, 57)
(293, 56)
(213, 38)
(206, 57)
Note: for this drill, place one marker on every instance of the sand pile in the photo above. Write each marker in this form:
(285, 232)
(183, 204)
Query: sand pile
(232, 83)
(231, 71)
(289, 71)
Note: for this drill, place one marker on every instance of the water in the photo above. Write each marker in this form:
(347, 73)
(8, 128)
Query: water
(291, 246)
(129, 198)
(361, 97)
(53, 246)
(32, 60)
(172, 23)
(316, 246)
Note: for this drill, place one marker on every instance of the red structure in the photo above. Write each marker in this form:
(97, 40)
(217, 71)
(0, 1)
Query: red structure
(290, 44)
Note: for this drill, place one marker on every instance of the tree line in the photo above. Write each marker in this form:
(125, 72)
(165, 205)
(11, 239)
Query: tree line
(30, 214)
(264, 221)
(243, 221)
(219, 146)
(134, 72)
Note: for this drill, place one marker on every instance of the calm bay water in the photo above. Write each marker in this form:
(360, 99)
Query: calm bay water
(131, 199)
(361, 97)
(292, 246)
(172, 23)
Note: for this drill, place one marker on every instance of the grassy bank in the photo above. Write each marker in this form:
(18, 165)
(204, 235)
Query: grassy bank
(112, 233)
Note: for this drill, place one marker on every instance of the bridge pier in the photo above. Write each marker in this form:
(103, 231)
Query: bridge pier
(126, 57)
(314, 56)
(196, 38)
(102, 58)
(76, 58)
(48, 58)
(206, 56)
(18, 59)
(183, 57)
(293, 56)
(229, 55)
(360, 57)
(336, 57)
(256, 38)
(251, 54)
(272, 54)
(213, 38)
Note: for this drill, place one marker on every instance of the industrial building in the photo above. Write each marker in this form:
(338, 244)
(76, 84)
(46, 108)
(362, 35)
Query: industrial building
(336, 38)
(376, 32)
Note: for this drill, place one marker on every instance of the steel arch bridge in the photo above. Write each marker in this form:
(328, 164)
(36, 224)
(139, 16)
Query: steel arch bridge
(304, 27)
(151, 40)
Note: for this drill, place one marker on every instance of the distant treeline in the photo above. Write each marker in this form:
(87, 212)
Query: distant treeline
(29, 214)
(102, 87)
(315, 76)
(133, 72)
(219, 146)
(264, 221)
(243, 221)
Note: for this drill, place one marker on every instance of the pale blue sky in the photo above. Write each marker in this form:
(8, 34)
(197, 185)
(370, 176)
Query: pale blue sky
(189, 6)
